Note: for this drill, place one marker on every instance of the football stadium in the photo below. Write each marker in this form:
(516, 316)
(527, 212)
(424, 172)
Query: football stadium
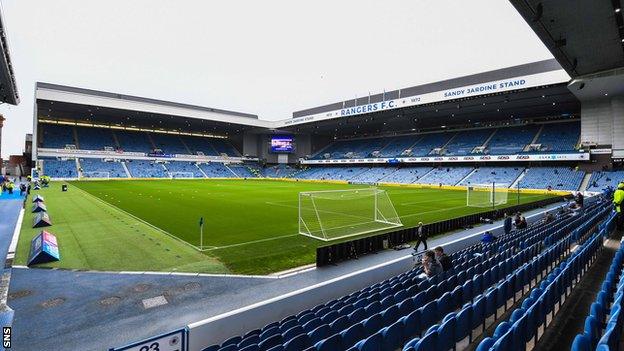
(479, 212)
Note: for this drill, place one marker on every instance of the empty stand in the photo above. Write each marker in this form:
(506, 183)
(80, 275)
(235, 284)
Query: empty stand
(557, 178)
(464, 142)
(169, 143)
(91, 167)
(559, 137)
(185, 167)
(56, 168)
(445, 175)
(555, 137)
(406, 175)
(56, 136)
(216, 170)
(146, 169)
(502, 176)
(509, 141)
(95, 138)
(133, 141)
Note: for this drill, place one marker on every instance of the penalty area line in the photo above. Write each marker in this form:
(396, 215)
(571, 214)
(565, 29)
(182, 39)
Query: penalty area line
(251, 242)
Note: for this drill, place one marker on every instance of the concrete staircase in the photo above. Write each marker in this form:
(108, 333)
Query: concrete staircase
(515, 182)
(185, 146)
(78, 168)
(534, 140)
(117, 144)
(229, 169)
(585, 181)
(201, 170)
(467, 176)
(76, 141)
(487, 141)
(123, 164)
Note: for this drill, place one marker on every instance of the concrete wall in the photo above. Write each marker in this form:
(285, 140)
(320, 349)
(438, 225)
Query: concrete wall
(602, 122)
(250, 144)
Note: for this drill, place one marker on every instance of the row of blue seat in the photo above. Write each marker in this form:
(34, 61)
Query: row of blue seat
(608, 302)
(314, 323)
(493, 302)
(544, 301)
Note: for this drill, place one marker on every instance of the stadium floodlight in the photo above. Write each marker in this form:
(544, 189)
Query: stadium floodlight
(96, 175)
(335, 214)
(487, 195)
(181, 175)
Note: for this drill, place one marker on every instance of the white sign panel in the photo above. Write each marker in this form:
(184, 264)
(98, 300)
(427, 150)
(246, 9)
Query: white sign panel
(174, 341)
(435, 159)
(443, 95)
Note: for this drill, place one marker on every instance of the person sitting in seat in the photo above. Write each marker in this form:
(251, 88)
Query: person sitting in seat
(520, 222)
(443, 259)
(430, 265)
(488, 237)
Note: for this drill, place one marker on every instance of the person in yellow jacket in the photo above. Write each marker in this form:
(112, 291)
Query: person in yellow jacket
(618, 198)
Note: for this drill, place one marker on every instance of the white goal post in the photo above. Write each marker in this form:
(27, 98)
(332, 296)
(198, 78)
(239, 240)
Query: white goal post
(336, 214)
(96, 175)
(487, 195)
(181, 175)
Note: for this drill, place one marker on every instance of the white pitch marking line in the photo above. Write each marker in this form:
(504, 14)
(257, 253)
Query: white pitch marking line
(252, 242)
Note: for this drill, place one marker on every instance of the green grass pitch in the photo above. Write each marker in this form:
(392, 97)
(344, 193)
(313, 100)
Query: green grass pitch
(251, 226)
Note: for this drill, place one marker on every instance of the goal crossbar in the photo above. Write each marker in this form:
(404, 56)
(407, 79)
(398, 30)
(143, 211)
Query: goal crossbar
(487, 195)
(336, 214)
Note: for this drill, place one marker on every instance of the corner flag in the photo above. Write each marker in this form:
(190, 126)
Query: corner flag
(201, 233)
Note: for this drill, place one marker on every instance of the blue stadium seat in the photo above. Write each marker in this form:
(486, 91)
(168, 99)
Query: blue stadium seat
(446, 335)
(427, 342)
(332, 343)
(372, 324)
(299, 342)
(486, 344)
(353, 334)
(581, 343)
(252, 347)
(249, 340)
(392, 336)
(319, 333)
(339, 324)
(270, 342)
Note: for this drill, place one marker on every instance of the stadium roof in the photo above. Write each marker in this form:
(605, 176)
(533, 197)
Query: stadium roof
(70, 104)
(8, 87)
(501, 81)
(554, 101)
(531, 90)
(584, 36)
(543, 94)
(480, 78)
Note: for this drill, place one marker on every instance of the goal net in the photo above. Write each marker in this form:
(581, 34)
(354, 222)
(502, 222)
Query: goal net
(336, 214)
(97, 175)
(487, 195)
(180, 175)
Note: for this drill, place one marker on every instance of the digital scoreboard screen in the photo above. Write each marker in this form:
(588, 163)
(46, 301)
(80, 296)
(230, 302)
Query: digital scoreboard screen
(282, 144)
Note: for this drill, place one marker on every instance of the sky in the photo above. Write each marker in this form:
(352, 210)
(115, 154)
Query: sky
(269, 57)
